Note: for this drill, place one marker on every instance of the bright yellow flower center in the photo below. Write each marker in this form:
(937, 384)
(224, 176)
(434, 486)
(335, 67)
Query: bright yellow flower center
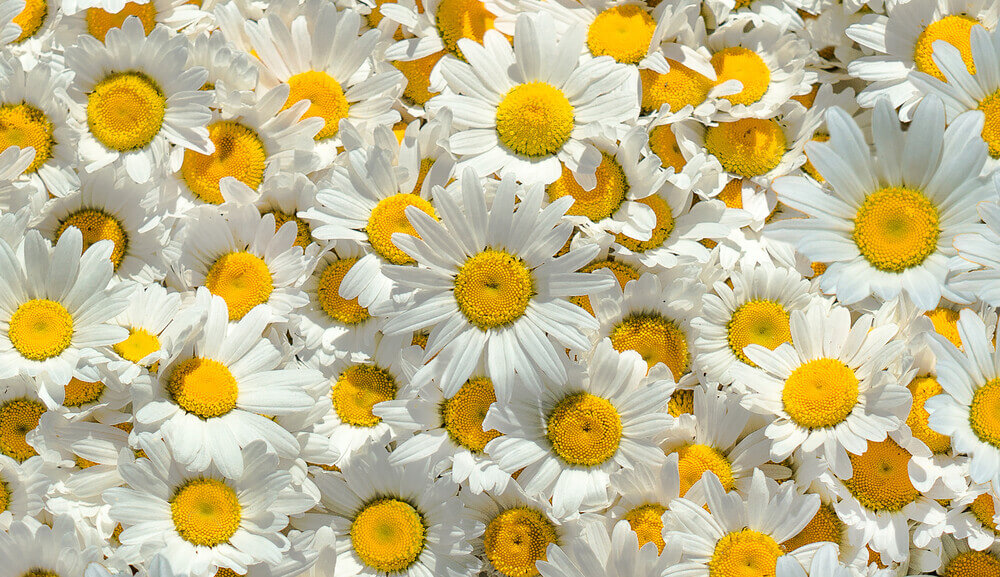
(80, 393)
(656, 338)
(599, 202)
(22, 125)
(345, 311)
(681, 403)
(955, 30)
(896, 229)
(984, 414)
(881, 481)
(493, 289)
(203, 387)
(357, 390)
(732, 194)
(745, 553)
(388, 217)
(584, 429)
(622, 32)
(96, 225)
(458, 19)
(738, 63)
(418, 77)
(326, 97)
(206, 512)
(661, 230)
(758, 322)
(623, 272)
(239, 153)
(824, 526)
(647, 522)
(31, 18)
(4, 495)
(809, 98)
(973, 564)
(139, 343)
(820, 393)
(923, 388)
(694, 460)
(663, 143)
(99, 21)
(18, 417)
(242, 280)
(984, 511)
(679, 87)
(945, 323)
(303, 232)
(515, 539)
(747, 147)
(534, 119)
(388, 535)
(463, 414)
(991, 129)
(125, 110)
(41, 329)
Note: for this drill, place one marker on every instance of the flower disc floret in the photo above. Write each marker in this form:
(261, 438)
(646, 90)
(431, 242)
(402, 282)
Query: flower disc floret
(206, 512)
(41, 329)
(747, 147)
(125, 110)
(516, 539)
(820, 393)
(896, 229)
(534, 119)
(493, 289)
(203, 387)
(388, 535)
(584, 429)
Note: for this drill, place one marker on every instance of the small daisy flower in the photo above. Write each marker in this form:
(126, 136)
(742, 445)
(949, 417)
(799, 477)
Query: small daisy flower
(232, 73)
(287, 195)
(31, 548)
(100, 16)
(973, 516)
(614, 555)
(644, 495)
(23, 488)
(959, 560)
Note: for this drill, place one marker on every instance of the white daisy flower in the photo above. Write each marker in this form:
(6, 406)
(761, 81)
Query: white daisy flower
(21, 409)
(973, 516)
(976, 246)
(210, 399)
(885, 223)
(31, 548)
(679, 81)
(571, 437)
(287, 195)
(528, 109)
(134, 96)
(615, 555)
(38, 20)
(488, 286)
(958, 559)
(98, 17)
(644, 495)
(232, 73)
(24, 487)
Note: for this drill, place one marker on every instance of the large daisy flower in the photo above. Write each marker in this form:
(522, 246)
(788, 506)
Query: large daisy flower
(528, 109)
(571, 437)
(885, 223)
(134, 95)
(487, 283)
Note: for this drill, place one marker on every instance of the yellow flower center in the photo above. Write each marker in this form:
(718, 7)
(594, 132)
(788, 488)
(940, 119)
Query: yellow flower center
(808, 166)
(463, 414)
(745, 553)
(41, 329)
(388, 217)
(357, 390)
(99, 21)
(679, 87)
(242, 280)
(747, 147)
(973, 564)
(738, 63)
(493, 289)
(138, 345)
(4, 495)
(984, 511)
(96, 225)
(881, 481)
(534, 119)
(681, 403)
(418, 77)
(326, 97)
(599, 202)
(458, 19)
(824, 526)
(656, 338)
(622, 32)
(203, 387)
(809, 98)
(984, 414)
(820, 393)
(31, 18)
(584, 429)
(125, 110)
(18, 417)
(896, 229)
(517, 538)
(38, 572)
(342, 310)
(80, 393)
(239, 153)
(388, 535)
(661, 230)
(303, 234)
(945, 323)
(23, 125)
(991, 128)
(758, 322)
(647, 522)
(663, 143)
(623, 272)
(206, 512)
(694, 460)
(923, 388)
(955, 30)
(732, 194)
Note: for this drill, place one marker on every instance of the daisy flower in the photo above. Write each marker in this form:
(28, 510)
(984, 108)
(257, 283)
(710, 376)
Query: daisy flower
(38, 20)
(827, 389)
(957, 559)
(886, 223)
(287, 195)
(528, 109)
(488, 285)
(232, 73)
(973, 516)
(57, 304)
(31, 548)
(570, 438)
(976, 247)
(20, 412)
(210, 398)
(644, 495)
(615, 555)
(134, 96)
(24, 487)
(100, 16)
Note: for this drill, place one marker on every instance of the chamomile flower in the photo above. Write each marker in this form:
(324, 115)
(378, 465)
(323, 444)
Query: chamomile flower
(22, 489)
(958, 560)
(973, 516)
(101, 16)
(232, 73)
(32, 548)
(885, 224)
(286, 195)
(133, 96)
(614, 555)
(644, 495)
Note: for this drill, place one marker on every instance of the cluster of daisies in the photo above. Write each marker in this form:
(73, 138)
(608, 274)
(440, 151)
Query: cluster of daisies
(502, 288)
